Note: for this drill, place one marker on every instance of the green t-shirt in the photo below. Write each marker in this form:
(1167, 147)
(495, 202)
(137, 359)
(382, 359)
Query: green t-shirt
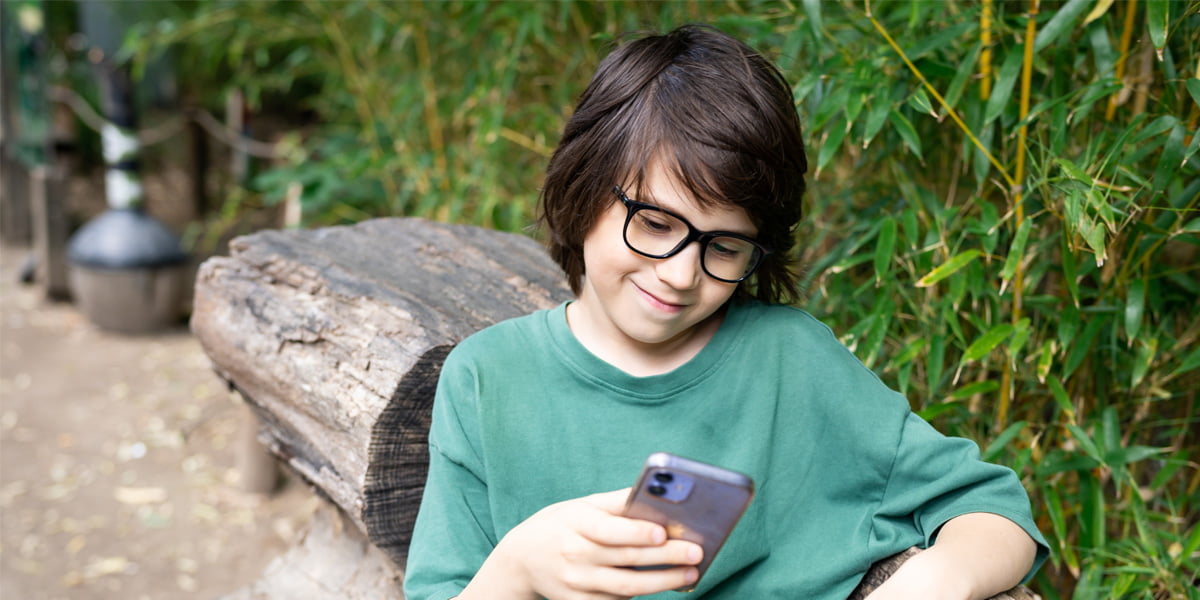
(846, 474)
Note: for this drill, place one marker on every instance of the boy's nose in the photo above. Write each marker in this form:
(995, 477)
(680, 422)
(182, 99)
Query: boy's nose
(682, 271)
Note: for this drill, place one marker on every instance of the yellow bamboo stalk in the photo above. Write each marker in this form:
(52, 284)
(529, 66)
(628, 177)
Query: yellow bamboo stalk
(945, 105)
(432, 119)
(985, 57)
(1018, 210)
(1126, 37)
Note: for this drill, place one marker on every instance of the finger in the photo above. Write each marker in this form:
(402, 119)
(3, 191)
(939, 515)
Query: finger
(610, 530)
(674, 552)
(630, 582)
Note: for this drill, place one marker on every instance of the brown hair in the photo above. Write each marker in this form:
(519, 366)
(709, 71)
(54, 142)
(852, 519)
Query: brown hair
(718, 114)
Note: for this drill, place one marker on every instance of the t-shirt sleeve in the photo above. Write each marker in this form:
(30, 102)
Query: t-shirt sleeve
(453, 533)
(935, 478)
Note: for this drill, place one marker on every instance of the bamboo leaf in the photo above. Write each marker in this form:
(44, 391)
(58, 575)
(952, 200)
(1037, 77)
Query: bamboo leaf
(837, 132)
(1002, 441)
(1017, 250)
(912, 349)
(978, 387)
(940, 39)
(987, 342)
(966, 70)
(1158, 14)
(1054, 508)
(830, 105)
(854, 107)
(1170, 467)
(1109, 438)
(812, 8)
(1132, 454)
(1193, 542)
(1070, 270)
(935, 410)
(1172, 156)
(1093, 512)
(1098, 11)
(1142, 361)
(935, 362)
(1135, 306)
(948, 268)
(920, 102)
(885, 246)
(905, 128)
(1191, 362)
(1045, 361)
(1003, 89)
(1081, 347)
(1062, 22)
(1061, 399)
(876, 116)
(1193, 88)
(1020, 336)
(1085, 442)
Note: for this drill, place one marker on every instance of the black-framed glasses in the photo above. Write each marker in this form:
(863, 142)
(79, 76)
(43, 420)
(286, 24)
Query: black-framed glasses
(654, 232)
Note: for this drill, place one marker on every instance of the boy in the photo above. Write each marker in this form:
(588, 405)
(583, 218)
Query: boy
(670, 204)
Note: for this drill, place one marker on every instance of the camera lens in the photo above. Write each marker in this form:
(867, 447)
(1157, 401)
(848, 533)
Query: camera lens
(656, 490)
(664, 477)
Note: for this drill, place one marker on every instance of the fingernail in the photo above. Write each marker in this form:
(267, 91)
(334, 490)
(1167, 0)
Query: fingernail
(692, 575)
(695, 554)
(659, 535)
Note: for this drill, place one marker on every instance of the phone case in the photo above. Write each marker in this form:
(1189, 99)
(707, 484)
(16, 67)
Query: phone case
(694, 501)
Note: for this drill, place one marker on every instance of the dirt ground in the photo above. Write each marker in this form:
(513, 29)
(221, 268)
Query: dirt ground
(116, 463)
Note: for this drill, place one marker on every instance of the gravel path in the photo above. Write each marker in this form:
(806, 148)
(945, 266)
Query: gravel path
(116, 457)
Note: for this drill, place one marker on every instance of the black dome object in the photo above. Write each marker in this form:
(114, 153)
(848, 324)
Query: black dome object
(125, 239)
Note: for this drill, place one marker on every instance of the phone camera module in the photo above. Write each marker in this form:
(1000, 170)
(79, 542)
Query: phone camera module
(664, 477)
(656, 490)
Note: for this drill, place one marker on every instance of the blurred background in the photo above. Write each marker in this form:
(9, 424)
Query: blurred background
(1002, 222)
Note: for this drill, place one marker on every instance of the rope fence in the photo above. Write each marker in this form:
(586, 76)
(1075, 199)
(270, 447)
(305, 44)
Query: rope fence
(164, 131)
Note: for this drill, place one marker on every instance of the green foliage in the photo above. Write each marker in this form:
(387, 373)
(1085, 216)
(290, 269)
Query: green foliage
(1028, 278)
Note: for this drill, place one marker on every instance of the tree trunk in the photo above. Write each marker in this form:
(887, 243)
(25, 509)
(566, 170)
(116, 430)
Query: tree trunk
(336, 336)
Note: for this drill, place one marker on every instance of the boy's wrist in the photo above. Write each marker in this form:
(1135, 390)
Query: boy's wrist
(501, 576)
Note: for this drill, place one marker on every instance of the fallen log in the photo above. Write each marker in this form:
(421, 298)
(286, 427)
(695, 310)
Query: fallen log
(335, 337)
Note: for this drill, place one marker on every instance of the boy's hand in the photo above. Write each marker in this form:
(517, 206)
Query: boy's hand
(580, 549)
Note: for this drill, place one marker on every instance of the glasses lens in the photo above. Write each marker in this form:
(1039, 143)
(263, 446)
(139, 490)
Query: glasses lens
(654, 232)
(730, 258)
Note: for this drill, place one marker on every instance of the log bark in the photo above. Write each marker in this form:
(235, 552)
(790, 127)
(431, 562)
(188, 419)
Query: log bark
(336, 336)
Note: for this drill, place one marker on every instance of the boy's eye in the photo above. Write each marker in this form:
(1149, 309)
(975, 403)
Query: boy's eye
(728, 248)
(658, 223)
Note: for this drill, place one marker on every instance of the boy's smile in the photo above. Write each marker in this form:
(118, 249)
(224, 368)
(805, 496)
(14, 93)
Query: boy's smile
(645, 315)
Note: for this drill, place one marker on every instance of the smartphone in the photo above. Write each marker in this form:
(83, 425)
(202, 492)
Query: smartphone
(694, 501)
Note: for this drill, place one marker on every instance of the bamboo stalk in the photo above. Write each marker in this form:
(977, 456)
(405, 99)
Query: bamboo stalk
(1018, 209)
(434, 120)
(945, 105)
(985, 57)
(1126, 36)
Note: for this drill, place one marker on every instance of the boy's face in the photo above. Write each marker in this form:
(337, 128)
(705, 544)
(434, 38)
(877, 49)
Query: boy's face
(629, 302)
